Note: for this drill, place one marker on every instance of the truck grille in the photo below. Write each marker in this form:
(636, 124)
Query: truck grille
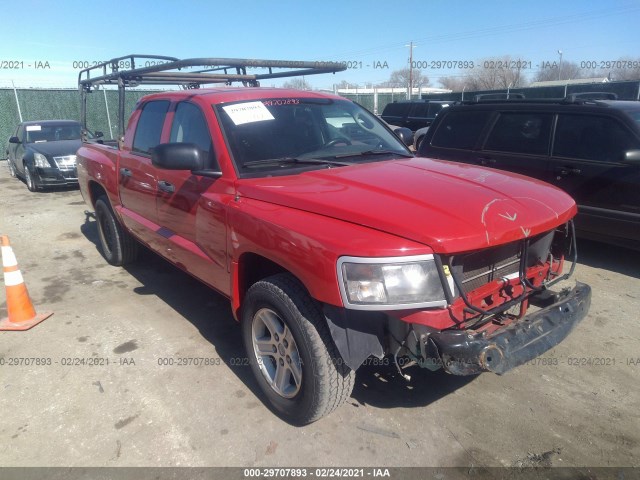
(478, 268)
(66, 163)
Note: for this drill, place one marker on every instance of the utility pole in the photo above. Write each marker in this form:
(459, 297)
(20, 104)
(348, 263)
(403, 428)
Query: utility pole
(560, 66)
(410, 70)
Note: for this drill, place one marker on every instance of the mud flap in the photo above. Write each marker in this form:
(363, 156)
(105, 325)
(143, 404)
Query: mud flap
(358, 335)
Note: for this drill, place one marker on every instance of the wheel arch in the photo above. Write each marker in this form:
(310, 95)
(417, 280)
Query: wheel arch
(96, 191)
(248, 270)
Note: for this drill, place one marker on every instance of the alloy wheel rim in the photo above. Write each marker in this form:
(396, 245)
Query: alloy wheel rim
(28, 178)
(276, 352)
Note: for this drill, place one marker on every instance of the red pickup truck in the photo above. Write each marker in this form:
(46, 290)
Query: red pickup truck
(332, 242)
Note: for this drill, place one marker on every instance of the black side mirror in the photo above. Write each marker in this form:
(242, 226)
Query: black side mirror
(98, 134)
(14, 140)
(177, 156)
(405, 135)
(632, 156)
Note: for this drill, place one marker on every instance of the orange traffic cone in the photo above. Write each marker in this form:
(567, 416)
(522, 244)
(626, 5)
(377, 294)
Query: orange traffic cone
(22, 315)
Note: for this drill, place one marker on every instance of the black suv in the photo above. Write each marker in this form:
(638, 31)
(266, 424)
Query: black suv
(413, 114)
(589, 148)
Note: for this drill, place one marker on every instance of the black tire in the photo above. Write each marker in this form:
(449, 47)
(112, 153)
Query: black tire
(12, 168)
(117, 245)
(325, 381)
(29, 180)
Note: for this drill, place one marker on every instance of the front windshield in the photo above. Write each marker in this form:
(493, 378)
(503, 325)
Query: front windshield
(52, 132)
(273, 136)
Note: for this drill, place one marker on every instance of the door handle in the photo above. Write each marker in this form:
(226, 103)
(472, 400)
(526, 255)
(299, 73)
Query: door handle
(166, 186)
(486, 160)
(564, 171)
(125, 172)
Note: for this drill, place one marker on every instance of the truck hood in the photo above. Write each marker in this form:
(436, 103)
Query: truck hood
(448, 206)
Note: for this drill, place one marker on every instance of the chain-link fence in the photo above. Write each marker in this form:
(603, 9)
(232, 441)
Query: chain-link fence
(36, 104)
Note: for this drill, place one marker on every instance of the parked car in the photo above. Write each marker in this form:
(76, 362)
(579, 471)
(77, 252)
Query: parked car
(44, 153)
(413, 114)
(589, 148)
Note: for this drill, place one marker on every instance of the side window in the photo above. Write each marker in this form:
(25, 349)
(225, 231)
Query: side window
(460, 129)
(592, 138)
(419, 110)
(526, 132)
(190, 126)
(394, 109)
(149, 128)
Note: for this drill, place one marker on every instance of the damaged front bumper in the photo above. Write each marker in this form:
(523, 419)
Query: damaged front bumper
(467, 352)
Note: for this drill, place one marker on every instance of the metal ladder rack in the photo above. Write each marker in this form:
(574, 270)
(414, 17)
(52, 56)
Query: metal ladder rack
(135, 70)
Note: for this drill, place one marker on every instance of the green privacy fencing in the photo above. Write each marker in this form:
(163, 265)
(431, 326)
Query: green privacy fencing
(628, 90)
(36, 104)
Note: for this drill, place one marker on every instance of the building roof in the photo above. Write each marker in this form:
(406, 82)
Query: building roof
(577, 81)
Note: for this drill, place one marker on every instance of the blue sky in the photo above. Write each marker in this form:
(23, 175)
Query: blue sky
(365, 33)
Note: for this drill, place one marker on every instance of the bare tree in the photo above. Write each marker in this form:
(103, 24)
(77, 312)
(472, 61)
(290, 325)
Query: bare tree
(400, 78)
(553, 70)
(298, 83)
(455, 84)
(625, 68)
(344, 84)
(497, 73)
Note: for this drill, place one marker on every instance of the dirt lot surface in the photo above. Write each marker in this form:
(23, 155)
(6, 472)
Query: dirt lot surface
(142, 401)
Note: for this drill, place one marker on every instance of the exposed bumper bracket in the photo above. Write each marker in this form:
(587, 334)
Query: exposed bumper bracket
(465, 352)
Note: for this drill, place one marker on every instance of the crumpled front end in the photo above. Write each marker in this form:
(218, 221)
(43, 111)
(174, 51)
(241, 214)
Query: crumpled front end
(467, 352)
(504, 307)
(490, 299)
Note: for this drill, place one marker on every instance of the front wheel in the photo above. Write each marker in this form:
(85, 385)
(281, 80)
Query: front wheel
(118, 246)
(29, 180)
(291, 352)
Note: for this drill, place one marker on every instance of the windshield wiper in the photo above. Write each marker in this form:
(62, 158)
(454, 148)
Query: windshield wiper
(374, 152)
(295, 161)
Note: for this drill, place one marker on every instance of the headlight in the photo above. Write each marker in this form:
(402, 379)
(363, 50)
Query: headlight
(390, 283)
(40, 160)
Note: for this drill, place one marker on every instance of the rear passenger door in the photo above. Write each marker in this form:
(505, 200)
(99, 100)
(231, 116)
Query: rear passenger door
(519, 141)
(587, 162)
(136, 175)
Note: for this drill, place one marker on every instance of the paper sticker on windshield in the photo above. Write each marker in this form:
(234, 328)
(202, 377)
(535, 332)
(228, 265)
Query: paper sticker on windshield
(248, 112)
(33, 128)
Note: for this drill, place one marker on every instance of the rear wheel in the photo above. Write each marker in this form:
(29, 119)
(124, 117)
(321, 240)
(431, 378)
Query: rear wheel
(291, 352)
(12, 168)
(118, 246)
